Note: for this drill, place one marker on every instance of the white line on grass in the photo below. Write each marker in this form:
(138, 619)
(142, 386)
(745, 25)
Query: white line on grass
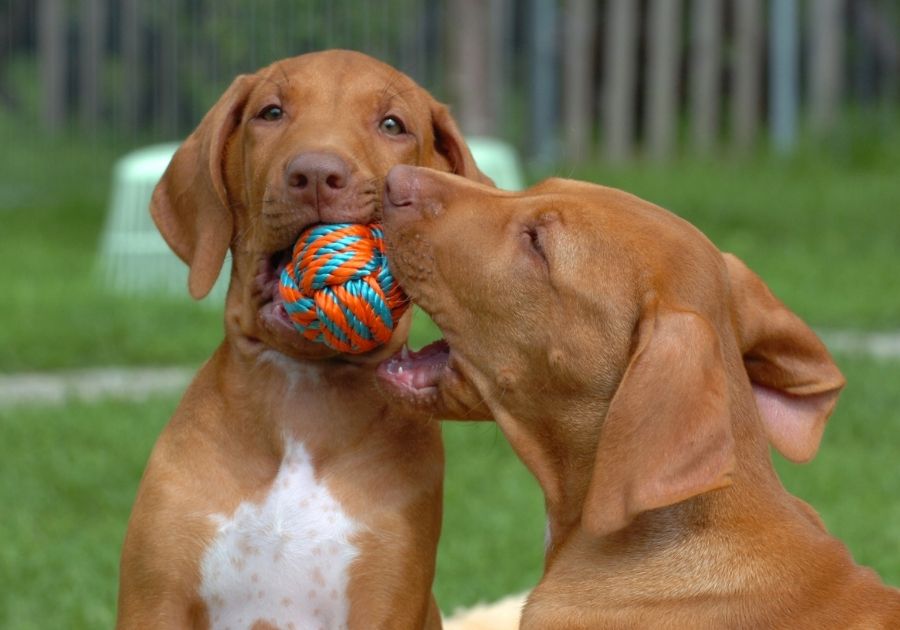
(884, 345)
(57, 388)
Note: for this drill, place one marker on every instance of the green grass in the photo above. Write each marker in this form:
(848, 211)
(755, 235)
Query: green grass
(70, 475)
(56, 314)
(824, 235)
(853, 481)
(69, 479)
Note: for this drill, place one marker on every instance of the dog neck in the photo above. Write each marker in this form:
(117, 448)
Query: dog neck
(268, 396)
(716, 544)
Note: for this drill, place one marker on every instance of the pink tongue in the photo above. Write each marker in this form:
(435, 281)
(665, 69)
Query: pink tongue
(421, 369)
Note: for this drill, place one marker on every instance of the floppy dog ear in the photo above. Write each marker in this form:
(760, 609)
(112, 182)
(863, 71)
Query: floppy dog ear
(451, 152)
(190, 203)
(667, 434)
(794, 378)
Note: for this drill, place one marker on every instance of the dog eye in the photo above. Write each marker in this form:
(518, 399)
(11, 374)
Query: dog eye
(392, 126)
(271, 113)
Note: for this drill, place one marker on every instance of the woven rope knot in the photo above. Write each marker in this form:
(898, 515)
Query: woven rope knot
(338, 289)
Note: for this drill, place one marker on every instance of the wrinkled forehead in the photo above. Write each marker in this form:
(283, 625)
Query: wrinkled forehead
(338, 79)
(608, 232)
(594, 216)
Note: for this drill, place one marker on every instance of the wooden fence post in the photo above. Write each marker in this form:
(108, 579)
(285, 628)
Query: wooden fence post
(168, 68)
(783, 61)
(619, 79)
(51, 36)
(499, 62)
(705, 73)
(664, 52)
(469, 29)
(745, 98)
(92, 37)
(578, 77)
(130, 102)
(544, 87)
(826, 57)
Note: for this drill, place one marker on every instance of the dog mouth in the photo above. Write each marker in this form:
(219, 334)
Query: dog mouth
(268, 279)
(272, 314)
(279, 331)
(415, 377)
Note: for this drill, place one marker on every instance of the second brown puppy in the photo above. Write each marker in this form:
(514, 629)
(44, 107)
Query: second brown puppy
(641, 375)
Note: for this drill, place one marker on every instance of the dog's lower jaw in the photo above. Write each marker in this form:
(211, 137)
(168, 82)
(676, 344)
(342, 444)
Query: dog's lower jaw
(255, 325)
(275, 331)
(255, 319)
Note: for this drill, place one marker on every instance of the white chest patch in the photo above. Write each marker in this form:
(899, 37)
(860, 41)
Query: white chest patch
(284, 561)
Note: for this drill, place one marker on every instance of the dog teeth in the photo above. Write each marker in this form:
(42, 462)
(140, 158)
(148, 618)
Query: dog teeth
(404, 352)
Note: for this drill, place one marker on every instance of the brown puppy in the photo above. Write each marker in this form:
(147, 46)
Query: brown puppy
(284, 492)
(612, 342)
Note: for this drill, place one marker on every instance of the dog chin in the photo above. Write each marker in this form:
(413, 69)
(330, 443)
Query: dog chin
(278, 333)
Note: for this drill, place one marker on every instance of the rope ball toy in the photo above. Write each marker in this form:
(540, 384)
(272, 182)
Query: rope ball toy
(338, 289)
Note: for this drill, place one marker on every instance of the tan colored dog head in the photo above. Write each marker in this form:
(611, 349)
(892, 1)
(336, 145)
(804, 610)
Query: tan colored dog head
(305, 140)
(609, 338)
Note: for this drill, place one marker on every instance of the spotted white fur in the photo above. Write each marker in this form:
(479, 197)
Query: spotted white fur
(284, 561)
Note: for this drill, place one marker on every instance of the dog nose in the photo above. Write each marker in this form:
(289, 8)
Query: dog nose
(317, 178)
(410, 194)
(400, 186)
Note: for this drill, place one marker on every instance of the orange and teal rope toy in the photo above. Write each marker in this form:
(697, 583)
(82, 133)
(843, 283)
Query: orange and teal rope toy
(338, 289)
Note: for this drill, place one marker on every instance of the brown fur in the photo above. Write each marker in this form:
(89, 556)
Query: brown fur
(641, 375)
(225, 189)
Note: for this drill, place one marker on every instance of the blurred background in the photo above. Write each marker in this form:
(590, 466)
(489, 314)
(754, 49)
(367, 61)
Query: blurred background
(773, 125)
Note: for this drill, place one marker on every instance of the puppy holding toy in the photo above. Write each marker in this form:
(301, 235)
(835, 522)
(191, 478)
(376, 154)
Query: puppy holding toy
(285, 493)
